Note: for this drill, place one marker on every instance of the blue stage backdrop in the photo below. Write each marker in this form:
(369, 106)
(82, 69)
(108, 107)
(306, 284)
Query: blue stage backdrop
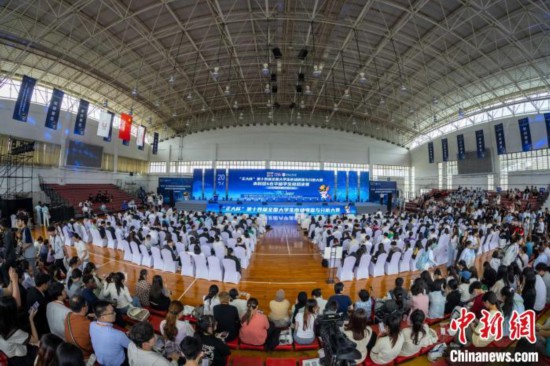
(182, 188)
(353, 187)
(197, 184)
(364, 185)
(208, 184)
(281, 185)
(342, 185)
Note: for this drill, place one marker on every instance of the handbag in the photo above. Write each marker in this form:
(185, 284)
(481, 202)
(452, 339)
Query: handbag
(138, 314)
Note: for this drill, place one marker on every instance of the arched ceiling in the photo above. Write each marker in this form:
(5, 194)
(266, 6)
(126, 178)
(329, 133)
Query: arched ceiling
(423, 60)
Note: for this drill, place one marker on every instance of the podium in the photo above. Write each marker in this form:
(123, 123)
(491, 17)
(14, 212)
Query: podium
(333, 255)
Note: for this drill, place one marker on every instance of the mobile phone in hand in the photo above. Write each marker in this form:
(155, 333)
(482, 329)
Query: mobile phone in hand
(34, 307)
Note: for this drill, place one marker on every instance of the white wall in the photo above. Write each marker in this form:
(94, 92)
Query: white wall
(283, 143)
(427, 174)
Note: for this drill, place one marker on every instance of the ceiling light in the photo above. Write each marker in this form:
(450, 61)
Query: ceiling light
(106, 103)
(241, 116)
(268, 104)
(434, 100)
(227, 90)
(203, 109)
(157, 103)
(172, 79)
(362, 78)
(187, 123)
(382, 101)
(216, 73)
(235, 105)
(267, 89)
(403, 88)
(298, 116)
(317, 70)
(435, 118)
(279, 66)
(326, 119)
(335, 107)
(265, 70)
(302, 104)
(213, 119)
(354, 122)
(460, 112)
(308, 90)
(134, 92)
(189, 96)
(346, 94)
(174, 114)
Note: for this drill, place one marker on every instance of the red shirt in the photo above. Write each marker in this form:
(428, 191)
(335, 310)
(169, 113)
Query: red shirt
(477, 306)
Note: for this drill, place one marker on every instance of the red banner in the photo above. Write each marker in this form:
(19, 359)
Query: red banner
(124, 132)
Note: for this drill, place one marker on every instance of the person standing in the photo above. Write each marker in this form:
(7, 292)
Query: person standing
(27, 245)
(58, 249)
(81, 250)
(9, 251)
(38, 210)
(45, 215)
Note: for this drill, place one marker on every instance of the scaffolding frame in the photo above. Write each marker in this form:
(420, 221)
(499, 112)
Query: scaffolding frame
(17, 169)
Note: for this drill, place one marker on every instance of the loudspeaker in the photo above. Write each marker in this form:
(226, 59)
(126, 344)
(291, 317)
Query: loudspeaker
(277, 52)
(131, 174)
(389, 201)
(299, 89)
(302, 54)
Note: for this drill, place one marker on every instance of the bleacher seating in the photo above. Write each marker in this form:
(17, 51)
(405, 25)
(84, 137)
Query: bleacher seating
(76, 193)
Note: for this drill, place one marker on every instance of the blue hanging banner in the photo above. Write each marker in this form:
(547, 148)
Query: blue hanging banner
(547, 120)
(341, 183)
(461, 155)
(445, 149)
(431, 152)
(81, 116)
(525, 133)
(364, 186)
(353, 186)
(155, 143)
(111, 117)
(21, 110)
(501, 143)
(126, 142)
(52, 117)
(221, 180)
(480, 144)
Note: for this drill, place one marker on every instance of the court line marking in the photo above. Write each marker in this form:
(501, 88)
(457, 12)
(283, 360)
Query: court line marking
(285, 254)
(109, 261)
(287, 246)
(187, 289)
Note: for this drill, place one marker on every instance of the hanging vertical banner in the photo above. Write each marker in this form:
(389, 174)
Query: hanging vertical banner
(155, 143)
(547, 120)
(461, 155)
(525, 133)
(480, 144)
(125, 129)
(81, 116)
(21, 110)
(431, 152)
(142, 147)
(126, 142)
(140, 139)
(501, 143)
(52, 117)
(445, 149)
(221, 180)
(110, 133)
(105, 123)
(364, 186)
(341, 185)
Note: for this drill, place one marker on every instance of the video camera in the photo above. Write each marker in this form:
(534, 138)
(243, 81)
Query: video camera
(338, 349)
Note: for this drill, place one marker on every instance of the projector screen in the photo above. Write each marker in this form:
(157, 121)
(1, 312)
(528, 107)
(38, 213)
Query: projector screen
(472, 165)
(80, 154)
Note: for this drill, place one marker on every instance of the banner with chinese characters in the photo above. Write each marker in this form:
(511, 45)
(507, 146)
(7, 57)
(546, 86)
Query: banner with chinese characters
(125, 129)
(155, 143)
(52, 116)
(140, 139)
(461, 155)
(445, 149)
(480, 144)
(547, 120)
(431, 152)
(81, 116)
(105, 126)
(525, 134)
(23, 103)
(499, 135)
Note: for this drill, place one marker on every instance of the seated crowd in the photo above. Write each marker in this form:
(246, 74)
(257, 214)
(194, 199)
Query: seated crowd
(57, 309)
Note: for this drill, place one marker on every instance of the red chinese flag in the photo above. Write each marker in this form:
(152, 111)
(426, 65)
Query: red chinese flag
(125, 127)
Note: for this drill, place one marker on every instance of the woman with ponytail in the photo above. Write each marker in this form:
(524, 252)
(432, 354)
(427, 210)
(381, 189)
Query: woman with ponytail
(418, 335)
(303, 326)
(254, 324)
(389, 342)
(210, 300)
(171, 327)
(512, 301)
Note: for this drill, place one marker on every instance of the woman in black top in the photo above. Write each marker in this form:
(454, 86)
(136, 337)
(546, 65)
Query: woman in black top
(453, 297)
(528, 289)
(227, 317)
(214, 349)
(158, 298)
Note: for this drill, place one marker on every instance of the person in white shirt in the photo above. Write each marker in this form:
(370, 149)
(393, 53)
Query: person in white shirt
(210, 300)
(417, 336)
(115, 290)
(140, 350)
(81, 250)
(56, 311)
(303, 326)
(172, 329)
(59, 251)
(318, 296)
(357, 331)
(45, 215)
(540, 290)
(240, 304)
(389, 342)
